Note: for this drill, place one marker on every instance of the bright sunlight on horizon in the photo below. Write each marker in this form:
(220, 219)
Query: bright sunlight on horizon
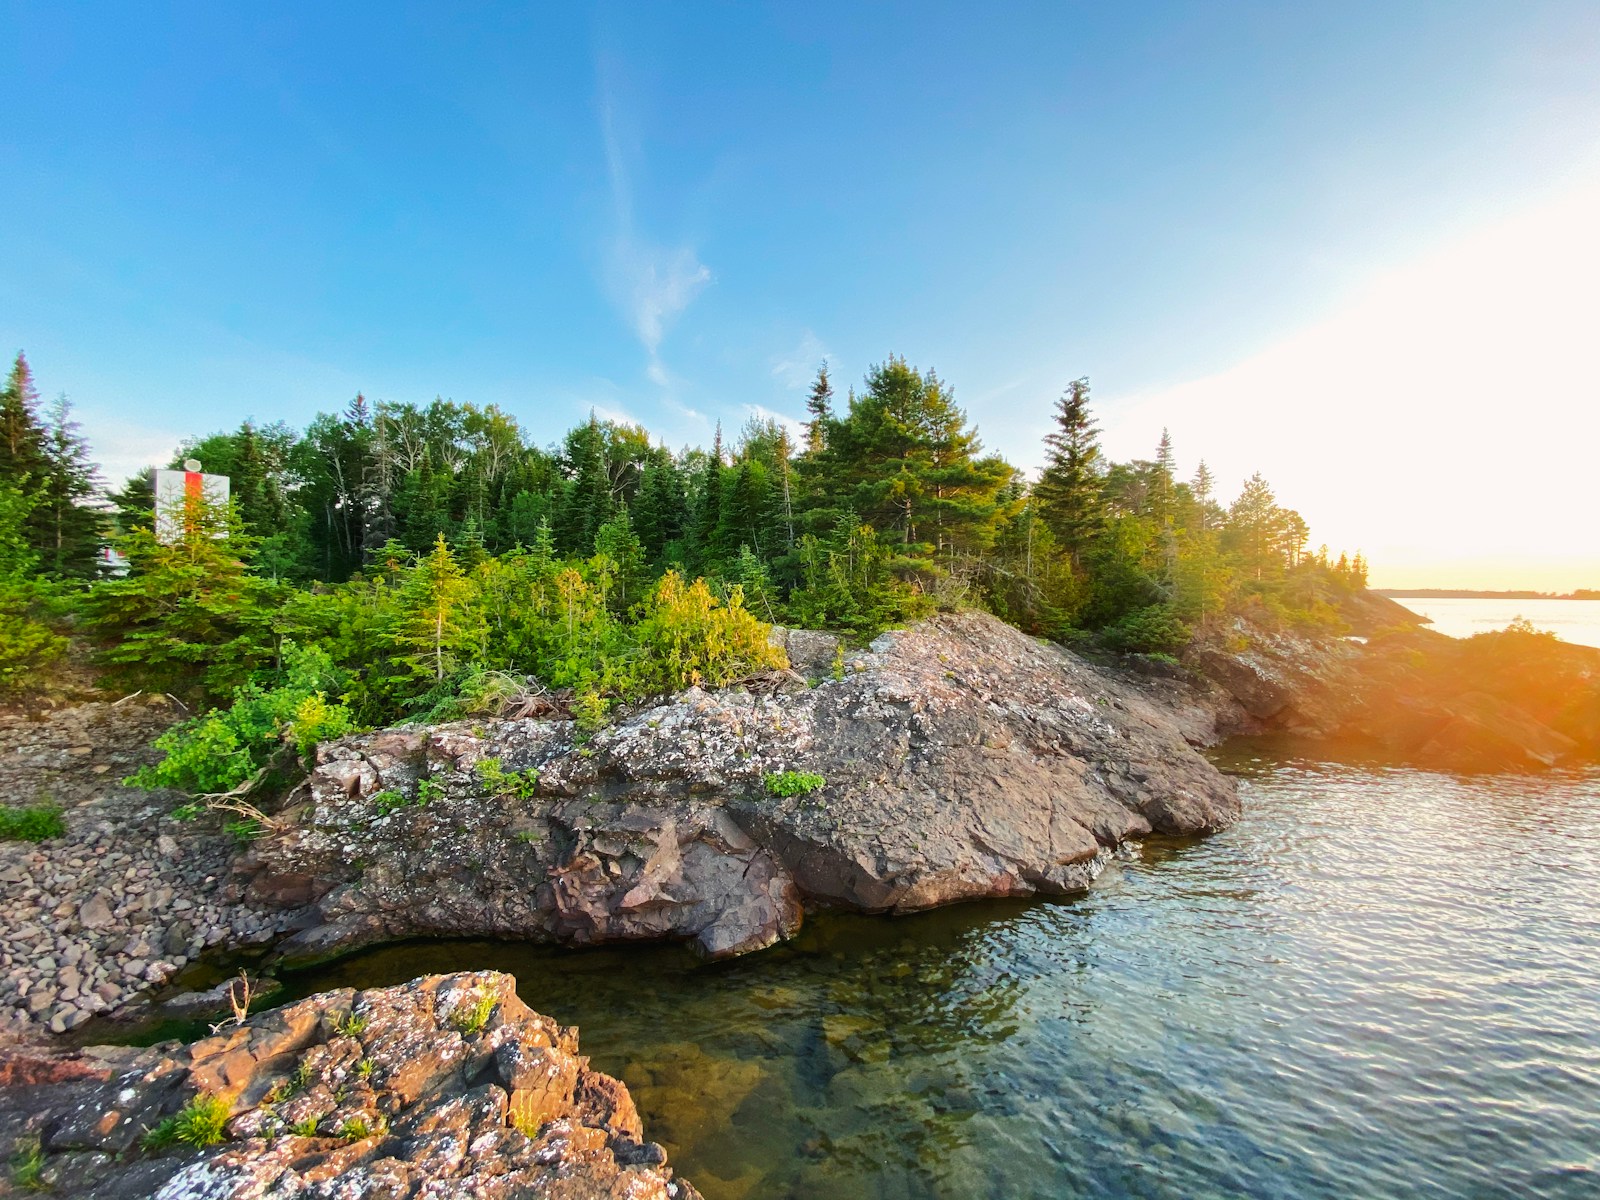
(1444, 418)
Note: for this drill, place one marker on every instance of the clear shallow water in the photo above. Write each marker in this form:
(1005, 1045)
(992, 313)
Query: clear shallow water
(1381, 983)
(1575, 621)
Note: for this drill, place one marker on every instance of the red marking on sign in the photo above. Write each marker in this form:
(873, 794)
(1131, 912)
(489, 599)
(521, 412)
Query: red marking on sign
(192, 481)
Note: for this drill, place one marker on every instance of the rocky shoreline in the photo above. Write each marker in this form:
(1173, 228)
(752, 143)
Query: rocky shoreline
(956, 760)
(96, 919)
(447, 1085)
(959, 759)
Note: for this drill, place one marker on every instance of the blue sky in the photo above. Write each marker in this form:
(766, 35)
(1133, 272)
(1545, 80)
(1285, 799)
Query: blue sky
(670, 213)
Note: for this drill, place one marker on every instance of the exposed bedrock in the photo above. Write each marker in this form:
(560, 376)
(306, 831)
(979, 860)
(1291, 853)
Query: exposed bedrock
(445, 1086)
(961, 759)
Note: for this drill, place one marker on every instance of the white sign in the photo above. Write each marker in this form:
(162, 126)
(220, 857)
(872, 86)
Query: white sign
(173, 489)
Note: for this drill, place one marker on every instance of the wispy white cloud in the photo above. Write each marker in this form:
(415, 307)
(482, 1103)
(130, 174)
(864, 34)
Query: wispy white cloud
(796, 368)
(650, 282)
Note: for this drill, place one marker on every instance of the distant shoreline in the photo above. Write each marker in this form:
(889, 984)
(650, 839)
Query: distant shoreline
(1468, 594)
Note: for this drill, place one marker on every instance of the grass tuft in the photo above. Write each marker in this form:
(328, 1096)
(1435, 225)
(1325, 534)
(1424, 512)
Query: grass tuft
(469, 1018)
(198, 1123)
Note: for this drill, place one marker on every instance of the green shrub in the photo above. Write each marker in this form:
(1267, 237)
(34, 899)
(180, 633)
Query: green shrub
(793, 783)
(1154, 629)
(200, 1123)
(219, 750)
(35, 823)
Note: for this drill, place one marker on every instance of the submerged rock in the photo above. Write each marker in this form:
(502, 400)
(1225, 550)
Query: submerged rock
(959, 758)
(447, 1085)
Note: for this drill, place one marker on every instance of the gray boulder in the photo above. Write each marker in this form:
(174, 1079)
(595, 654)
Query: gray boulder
(960, 759)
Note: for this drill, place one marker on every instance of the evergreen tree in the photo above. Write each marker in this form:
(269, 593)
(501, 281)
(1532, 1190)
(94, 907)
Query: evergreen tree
(585, 502)
(662, 508)
(30, 650)
(1069, 492)
(904, 458)
(432, 625)
(22, 436)
(69, 531)
(617, 541)
(189, 617)
(820, 405)
(1255, 528)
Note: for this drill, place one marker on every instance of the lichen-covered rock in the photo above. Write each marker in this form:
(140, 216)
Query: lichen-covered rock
(445, 1086)
(961, 759)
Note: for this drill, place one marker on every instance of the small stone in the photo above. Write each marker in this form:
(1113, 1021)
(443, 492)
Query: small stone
(96, 914)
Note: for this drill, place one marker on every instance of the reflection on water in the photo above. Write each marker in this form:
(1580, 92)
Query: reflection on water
(1381, 983)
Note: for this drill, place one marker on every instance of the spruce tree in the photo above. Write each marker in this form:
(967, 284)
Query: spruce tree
(72, 531)
(189, 617)
(22, 436)
(432, 625)
(820, 405)
(1069, 492)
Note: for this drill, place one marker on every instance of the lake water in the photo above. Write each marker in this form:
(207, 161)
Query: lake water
(1573, 620)
(1381, 983)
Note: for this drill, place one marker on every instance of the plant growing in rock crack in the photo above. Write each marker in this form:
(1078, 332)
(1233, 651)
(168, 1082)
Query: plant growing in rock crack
(307, 1127)
(793, 783)
(388, 801)
(349, 1025)
(364, 1068)
(301, 1079)
(469, 1018)
(198, 1123)
(27, 1166)
(429, 790)
(522, 784)
(355, 1129)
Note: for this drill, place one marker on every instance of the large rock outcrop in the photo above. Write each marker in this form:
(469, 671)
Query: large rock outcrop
(1505, 701)
(444, 1086)
(961, 759)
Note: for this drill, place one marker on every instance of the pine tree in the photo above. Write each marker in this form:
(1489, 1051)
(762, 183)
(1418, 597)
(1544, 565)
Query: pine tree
(820, 405)
(432, 625)
(1255, 527)
(1068, 493)
(22, 436)
(72, 531)
(189, 617)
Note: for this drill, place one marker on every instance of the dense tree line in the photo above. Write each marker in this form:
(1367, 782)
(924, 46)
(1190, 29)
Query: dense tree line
(419, 552)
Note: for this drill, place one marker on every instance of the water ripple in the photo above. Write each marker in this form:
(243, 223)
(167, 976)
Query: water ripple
(1381, 983)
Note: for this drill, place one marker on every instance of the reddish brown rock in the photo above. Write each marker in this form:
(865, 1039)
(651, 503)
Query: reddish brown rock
(448, 1085)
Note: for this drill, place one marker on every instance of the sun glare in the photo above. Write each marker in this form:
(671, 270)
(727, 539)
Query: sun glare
(1444, 420)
